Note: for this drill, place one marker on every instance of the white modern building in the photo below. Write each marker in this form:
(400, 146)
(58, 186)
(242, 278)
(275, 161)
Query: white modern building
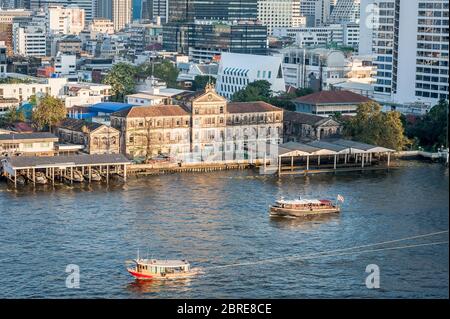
(321, 68)
(66, 66)
(410, 40)
(23, 91)
(280, 13)
(65, 20)
(85, 94)
(237, 70)
(346, 34)
(30, 40)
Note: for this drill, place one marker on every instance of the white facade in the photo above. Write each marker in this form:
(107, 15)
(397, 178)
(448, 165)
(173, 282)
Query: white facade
(346, 34)
(62, 20)
(320, 69)
(30, 41)
(23, 91)
(410, 43)
(280, 13)
(237, 70)
(66, 64)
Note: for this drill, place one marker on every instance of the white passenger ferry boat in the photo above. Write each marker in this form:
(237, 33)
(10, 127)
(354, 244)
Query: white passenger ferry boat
(305, 207)
(147, 269)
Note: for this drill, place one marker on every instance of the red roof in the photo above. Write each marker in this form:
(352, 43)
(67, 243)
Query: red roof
(152, 111)
(332, 97)
(250, 107)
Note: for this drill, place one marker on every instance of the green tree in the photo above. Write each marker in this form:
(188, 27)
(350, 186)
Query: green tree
(255, 91)
(372, 126)
(303, 91)
(121, 77)
(161, 69)
(431, 129)
(12, 116)
(48, 112)
(200, 82)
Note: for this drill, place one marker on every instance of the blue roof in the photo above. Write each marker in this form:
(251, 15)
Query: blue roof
(109, 107)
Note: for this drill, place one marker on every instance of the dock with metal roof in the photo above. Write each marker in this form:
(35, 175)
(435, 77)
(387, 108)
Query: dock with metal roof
(65, 167)
(331, 155)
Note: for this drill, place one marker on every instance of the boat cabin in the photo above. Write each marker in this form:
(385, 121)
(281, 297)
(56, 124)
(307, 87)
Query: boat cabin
(304, 203)
(161, 267)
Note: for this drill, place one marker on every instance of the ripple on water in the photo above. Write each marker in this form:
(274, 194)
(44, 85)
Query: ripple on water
(221, 218)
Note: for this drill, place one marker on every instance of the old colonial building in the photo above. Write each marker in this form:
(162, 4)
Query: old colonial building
(96, 138)
(306, 127)
(151, 130)
(203, 127)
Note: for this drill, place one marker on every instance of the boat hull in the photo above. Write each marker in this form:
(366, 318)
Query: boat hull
(282, 212)
(142, 276)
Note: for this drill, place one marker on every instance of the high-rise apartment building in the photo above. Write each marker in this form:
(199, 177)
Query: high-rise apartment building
(410, 42)
(280, 13)
(65, 20)
(121, 13)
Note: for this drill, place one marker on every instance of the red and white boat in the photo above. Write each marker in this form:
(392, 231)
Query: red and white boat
(148, 269)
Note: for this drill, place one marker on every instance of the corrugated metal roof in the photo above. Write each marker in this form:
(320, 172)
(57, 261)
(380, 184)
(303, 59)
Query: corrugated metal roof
(18, 162)
(28, 136)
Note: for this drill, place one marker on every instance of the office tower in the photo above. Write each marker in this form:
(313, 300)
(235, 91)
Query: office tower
(410, 44)
(121, 13)
(152, 9)
(189, 10)
(345, 11)
(280, 13)
(104, 9)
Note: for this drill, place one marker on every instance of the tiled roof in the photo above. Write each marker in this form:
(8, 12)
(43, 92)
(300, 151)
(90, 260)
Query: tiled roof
(77, 125)
(151, 111)
(250, 107)
(331, 97)
(303, 118)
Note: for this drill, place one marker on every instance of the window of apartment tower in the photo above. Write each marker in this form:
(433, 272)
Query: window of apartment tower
(221, 109)
(196, 111)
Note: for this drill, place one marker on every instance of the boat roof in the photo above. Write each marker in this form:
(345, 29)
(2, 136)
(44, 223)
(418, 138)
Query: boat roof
(162, 263)
(300, 201)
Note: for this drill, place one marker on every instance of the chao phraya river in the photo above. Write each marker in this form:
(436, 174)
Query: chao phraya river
(221, 218)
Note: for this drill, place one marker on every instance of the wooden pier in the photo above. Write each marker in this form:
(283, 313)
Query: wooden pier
(65, 167)
(331, 156)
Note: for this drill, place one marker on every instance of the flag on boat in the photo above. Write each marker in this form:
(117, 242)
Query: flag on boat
(340, 198)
